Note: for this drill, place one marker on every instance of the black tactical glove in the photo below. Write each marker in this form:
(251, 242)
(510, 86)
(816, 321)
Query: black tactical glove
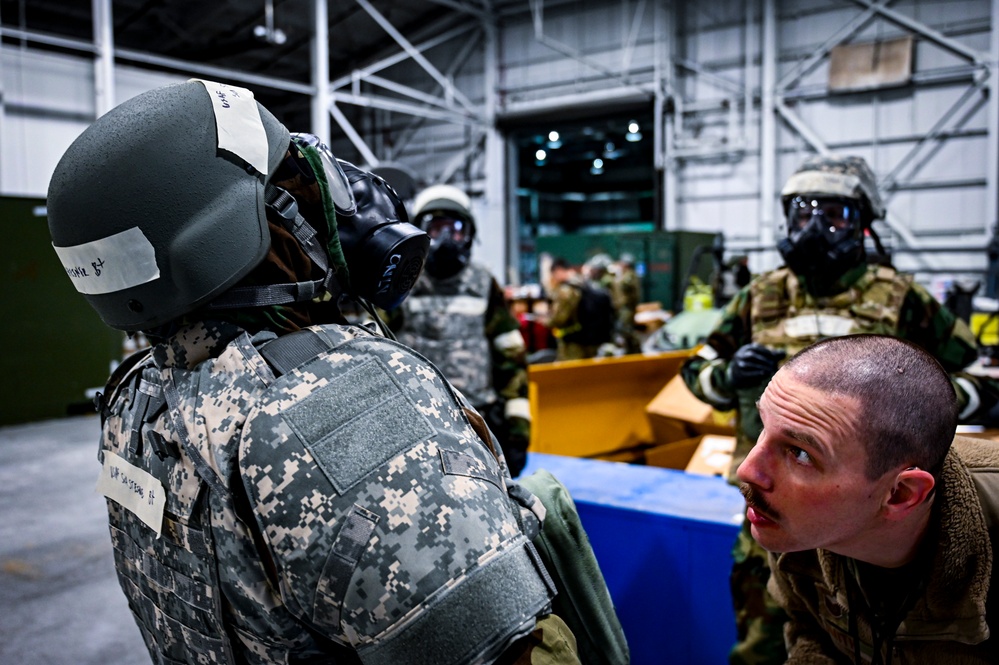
(752, 364)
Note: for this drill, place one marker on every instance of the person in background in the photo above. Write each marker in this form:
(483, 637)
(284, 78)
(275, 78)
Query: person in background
(827, 288)
(457, 316)
(881, 531)
(282, 487)
(580, 317)
(626, 293)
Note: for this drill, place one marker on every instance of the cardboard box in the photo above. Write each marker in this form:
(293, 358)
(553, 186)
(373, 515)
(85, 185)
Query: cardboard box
(708, 455)
(713, 456)
(675, 455)
(675, 410)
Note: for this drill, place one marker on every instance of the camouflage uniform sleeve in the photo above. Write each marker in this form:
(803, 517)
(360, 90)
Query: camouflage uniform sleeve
(509, 368)
(564, 304)
(926, 322)
(550, 643)
(705, 372)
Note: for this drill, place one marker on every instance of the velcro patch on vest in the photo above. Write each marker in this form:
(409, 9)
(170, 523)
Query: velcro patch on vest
(374, 422)
(459, 464)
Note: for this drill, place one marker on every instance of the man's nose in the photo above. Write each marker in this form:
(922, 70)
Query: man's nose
(753, 469)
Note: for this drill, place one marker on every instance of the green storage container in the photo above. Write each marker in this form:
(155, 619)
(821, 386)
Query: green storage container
(55, 347)
(662, 258)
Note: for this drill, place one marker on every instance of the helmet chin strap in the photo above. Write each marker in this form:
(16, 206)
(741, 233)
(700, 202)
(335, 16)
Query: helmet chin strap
(285, 207)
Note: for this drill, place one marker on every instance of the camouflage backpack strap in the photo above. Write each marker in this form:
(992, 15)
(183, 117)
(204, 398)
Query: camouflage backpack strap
(292, 350)
(103, 400)
(393, 531)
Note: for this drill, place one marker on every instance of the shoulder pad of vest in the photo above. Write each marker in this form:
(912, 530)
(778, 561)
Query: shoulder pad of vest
(382, 507)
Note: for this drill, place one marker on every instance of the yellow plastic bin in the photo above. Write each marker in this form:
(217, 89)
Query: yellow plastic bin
(595, 407)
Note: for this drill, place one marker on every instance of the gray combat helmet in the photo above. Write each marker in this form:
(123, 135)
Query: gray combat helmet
(836, 176)
(159, 206)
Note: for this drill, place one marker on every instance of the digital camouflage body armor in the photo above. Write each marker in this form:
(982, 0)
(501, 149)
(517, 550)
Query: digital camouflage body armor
(445, 320)
(346, 507)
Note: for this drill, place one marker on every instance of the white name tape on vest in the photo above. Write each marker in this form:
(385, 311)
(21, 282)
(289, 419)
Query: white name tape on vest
(134, 489)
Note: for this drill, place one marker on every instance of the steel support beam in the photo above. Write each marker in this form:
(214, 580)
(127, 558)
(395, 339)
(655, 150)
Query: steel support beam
(840, 36)
(369, 157)
(320, 54)
(498, 224)
(104, 96)
(396, 58)
(456, 63)
(398, 106)
(449, 90)
(890, 182)
(768, 122)
(463, 7)
(537, 15)
(921, 28)
(992, 122)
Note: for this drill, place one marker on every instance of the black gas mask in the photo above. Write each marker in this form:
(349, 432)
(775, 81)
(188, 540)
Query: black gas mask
(825, 239)
(451, 237)
(383, 251)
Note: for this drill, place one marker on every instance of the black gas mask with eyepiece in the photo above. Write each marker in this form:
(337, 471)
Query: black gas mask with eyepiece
(384, 253)
(451, 238)
(825, 239)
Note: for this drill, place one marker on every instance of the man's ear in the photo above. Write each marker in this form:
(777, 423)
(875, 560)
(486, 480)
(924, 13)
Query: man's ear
(911, 489)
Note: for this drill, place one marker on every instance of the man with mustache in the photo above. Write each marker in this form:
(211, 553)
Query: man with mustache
(880, 531)
(829, 286)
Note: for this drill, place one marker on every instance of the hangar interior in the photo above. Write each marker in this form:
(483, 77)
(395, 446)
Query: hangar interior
(561, 119)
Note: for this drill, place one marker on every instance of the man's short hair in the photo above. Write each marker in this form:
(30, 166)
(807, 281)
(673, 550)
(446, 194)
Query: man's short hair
(560, 264)
(908, 407)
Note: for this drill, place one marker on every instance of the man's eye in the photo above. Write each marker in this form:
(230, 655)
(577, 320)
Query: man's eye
(800, 456)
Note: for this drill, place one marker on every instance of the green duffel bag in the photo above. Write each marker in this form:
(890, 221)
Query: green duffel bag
(583, 601)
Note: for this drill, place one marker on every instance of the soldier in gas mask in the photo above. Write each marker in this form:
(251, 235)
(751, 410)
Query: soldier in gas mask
(827, 288)
(457, 317)
(283, 487)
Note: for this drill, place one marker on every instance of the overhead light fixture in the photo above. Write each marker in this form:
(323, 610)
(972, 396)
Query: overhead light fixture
(553, 136)
(598, 166)
(633, 134)
(553, 140)
(540, 155)
(268, 32)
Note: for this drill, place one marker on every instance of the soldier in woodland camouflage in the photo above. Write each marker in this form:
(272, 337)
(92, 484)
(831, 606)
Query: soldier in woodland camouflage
(283, 487)
(457, 316)
(826, 289)
(564, 320)
(626, 291)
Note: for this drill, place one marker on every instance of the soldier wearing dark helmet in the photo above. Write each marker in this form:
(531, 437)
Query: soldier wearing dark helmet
(283, 487)
(827, 288)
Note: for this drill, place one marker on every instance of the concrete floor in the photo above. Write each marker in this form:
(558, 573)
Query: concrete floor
(59, 598)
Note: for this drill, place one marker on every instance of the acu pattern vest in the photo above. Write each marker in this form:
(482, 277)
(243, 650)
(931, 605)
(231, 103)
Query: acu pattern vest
(343, 511)
(445, 320)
